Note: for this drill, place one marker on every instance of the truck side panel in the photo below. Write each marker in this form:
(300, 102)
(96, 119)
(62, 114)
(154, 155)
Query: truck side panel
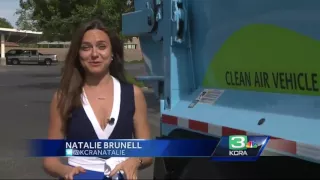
(262, 55)
(237, 67)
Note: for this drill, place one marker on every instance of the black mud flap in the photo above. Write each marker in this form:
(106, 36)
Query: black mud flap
(264, 168)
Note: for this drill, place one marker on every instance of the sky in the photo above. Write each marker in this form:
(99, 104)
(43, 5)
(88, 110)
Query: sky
(7, 10)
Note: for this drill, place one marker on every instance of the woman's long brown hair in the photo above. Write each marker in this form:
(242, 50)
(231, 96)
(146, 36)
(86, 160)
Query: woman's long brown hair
(73, 74)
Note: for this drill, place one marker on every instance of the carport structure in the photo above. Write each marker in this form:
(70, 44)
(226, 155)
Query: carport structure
(16, 36)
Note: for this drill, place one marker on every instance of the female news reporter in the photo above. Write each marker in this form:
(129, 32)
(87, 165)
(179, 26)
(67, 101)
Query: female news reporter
(93, 90)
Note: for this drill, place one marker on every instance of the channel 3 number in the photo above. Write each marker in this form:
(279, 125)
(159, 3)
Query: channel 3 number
(237, 142)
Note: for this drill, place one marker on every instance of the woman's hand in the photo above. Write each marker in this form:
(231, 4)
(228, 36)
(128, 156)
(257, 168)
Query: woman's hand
(130, 168)
(74, 171)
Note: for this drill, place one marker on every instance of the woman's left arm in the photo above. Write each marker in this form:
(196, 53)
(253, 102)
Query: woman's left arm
(141, 125)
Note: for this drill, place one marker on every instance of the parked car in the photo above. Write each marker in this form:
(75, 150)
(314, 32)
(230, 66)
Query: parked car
(30, 56)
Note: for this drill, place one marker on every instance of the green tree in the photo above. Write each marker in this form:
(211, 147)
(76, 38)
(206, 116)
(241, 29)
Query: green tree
(25, 13)
(57, 19)
(4, 23)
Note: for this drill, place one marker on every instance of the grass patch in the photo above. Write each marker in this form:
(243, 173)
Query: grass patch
(132, 80)
(135, 62)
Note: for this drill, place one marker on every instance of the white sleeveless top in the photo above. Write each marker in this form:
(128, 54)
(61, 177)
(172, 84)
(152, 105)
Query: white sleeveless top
(95, 163)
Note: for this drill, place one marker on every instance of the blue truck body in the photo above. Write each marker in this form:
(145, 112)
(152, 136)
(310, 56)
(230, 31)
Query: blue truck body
(255, 60)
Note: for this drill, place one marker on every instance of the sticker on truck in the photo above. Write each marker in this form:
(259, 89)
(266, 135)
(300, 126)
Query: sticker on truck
(207, 96)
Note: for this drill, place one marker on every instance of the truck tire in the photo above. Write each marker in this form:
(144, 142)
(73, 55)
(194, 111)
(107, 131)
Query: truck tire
(15, 61)
(48, 62)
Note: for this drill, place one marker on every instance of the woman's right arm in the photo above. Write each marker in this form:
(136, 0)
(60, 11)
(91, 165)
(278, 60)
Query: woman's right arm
(53, 165)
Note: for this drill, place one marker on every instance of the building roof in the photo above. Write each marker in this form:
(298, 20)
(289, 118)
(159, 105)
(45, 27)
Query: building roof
(54, 42)
(20, 36)
(134, 41)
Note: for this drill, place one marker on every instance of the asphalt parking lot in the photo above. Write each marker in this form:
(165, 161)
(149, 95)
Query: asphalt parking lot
(25, 94)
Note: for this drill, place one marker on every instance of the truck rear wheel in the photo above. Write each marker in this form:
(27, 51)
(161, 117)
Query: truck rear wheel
(15, 61)
(47, 62)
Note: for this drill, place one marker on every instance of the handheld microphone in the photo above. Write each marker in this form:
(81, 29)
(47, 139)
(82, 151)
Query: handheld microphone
(111, 121)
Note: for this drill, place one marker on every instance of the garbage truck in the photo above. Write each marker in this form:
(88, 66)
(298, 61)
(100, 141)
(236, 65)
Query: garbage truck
(234, 67)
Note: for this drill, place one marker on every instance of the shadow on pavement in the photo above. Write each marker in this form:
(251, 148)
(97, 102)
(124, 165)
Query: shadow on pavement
(43, 75)
(42, 85)
(41, 102)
